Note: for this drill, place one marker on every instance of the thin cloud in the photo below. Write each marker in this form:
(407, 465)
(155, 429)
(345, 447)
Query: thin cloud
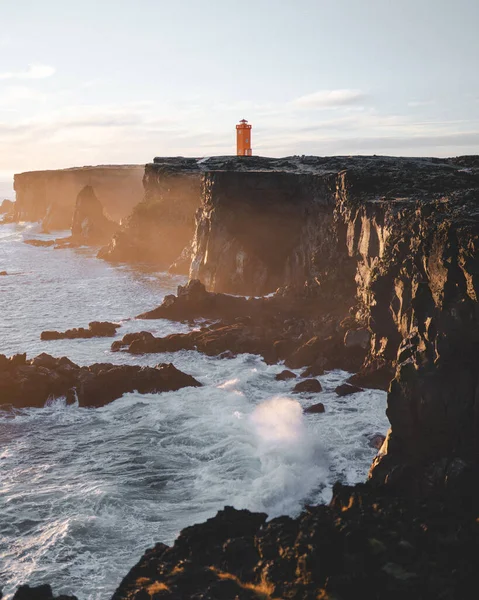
(330, 99)
(33, 72)
(415, 103)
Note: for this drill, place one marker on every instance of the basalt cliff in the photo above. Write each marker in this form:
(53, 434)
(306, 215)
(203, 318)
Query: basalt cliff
(50, 196)
(389, 244)
(380, 250)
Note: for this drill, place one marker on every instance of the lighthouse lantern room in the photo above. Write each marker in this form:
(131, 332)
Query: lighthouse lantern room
(243, 138)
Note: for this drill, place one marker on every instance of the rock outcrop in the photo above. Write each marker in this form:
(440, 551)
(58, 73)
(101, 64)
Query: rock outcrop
(90, 225)
(50, 196)
(161, 227)
(31, 383)
(303, 326)
(6, 207)
(364, 545)
(95, 329)
(397, 239)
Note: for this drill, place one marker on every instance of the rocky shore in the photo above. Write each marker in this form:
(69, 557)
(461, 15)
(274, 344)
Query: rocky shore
(33, 382)
(376, 265)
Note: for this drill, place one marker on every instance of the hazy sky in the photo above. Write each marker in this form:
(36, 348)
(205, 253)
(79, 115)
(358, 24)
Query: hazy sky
(103, 81)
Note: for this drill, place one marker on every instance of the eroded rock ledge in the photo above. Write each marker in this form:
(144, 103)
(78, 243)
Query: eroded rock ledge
(366, 544)
(31, 383)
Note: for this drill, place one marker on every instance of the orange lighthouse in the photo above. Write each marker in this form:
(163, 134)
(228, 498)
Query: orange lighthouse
(243, 138)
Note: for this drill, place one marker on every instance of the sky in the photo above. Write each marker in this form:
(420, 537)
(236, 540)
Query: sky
(106, 82)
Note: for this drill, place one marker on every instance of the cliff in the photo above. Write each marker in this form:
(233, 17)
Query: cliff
(394, 243)
(163, 223)
(50, 196)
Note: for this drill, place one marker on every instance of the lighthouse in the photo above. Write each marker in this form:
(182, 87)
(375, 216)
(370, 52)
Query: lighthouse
(243, 138)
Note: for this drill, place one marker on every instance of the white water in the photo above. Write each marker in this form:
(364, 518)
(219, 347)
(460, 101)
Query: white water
(83, 492)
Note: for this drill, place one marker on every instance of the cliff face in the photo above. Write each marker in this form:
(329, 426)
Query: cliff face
(416, 245)
(162, 224)
(50, 196)
(257, 231)
(405, 234)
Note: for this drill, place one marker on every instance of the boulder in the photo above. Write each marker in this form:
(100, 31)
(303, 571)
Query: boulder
(346, 389)
(376, 440)
(311, 386)
(285, 375)
(315, 408)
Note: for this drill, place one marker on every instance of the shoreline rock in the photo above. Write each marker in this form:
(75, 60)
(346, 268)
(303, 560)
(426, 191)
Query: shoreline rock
(95, 329)
(31, 383)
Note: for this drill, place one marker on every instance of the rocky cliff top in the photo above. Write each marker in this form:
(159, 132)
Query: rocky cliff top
(379, 177)
(84, 168)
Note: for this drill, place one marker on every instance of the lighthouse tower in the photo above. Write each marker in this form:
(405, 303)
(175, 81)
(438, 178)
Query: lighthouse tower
(243, 138)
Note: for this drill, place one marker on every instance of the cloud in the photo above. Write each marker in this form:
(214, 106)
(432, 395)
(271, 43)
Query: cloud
(415, 103)
(330, 99)
(33, 72)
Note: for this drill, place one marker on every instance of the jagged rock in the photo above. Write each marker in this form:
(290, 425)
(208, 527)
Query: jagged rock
(41, 592)
(357, 337)
(346, 389)
(275, 327)
(365, 544)
(90, 226)
(376, 375)
(315, 408)
(32, 382)
(311, 386)
(95, 329)
(193, 301)
(285, 375)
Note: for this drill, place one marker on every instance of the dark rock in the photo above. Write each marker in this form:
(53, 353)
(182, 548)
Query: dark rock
(311, 386)
(376, 375)
(345, 389)
(316, 369)
(40, 243)
(285, 375)
(32, 382)
(376, 440)
(357, 337)
(315, 408)
(95, 329)
(3, 273)
(365, 544)
(90, 226)
(41, 592)
(227, 354)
